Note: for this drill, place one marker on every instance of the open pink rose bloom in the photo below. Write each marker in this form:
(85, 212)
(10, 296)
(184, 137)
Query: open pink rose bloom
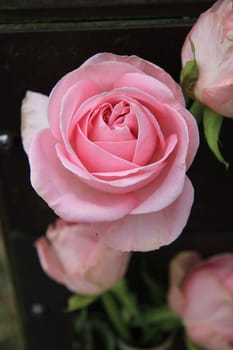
(201, 292)
(212, 37)
(111, 146)
(72, 254)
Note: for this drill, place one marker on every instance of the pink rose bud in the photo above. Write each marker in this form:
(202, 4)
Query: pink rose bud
(74, 255)
(112, 143)
(210, 45)
(201, 292)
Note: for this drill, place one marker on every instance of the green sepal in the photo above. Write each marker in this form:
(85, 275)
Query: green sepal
(189, 74)
(212, 123)
(197, 109)
(77, 301)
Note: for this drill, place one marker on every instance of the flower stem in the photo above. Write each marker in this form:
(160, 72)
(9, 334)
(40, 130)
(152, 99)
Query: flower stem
(164, 316)
(115, 317)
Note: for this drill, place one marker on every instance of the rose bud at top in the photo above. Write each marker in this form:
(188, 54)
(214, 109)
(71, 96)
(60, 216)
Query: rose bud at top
(210, 46)
(112, 143)
(201, 292)
(74, 255)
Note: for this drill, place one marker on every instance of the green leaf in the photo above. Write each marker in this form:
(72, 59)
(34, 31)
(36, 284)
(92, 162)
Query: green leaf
(212, 125)
(78, 301)
(189, 74)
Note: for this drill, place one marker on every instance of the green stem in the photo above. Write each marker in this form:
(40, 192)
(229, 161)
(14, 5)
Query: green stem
(127, 300)
(115, 316)
(197, 110)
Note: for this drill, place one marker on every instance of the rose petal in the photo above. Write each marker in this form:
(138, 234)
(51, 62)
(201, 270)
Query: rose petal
(180, 267)
(169, 184)
(71, 101)
(102, 75)
(49, 260)
(34, 117)
(70, 198)
(147, 84)
(144, 66)
(54, 269)
(88, 152)
(119, 181)
(150, 231)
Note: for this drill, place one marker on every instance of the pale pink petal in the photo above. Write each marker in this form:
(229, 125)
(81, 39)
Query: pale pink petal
(33, 117)
(49, 260)
(70, 198)
(221, 6)
(169, 184)
(88, 152)
(148, 141)
(73, 239)
(180, 267)
(71, 102)
(144, 66)
(220, 98)
(124, 149)
(150, 231)
(102, 75)
(147, 84)
(120, 181)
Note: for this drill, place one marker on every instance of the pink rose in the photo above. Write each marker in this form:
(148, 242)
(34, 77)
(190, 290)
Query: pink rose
(212, 37)
(74, 255)
(112, 144)
(201, 292)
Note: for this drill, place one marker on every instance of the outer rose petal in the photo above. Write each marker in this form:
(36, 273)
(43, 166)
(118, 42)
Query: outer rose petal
(54, 269)
(70, 198)
(34, 117)
(180, 266)
(150, 231)
(217, 97)
(74, 255)
(144, 66)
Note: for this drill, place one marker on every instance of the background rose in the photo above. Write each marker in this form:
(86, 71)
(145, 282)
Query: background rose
(213, 53)
(74, 255)
(201, 292)
(112, 144)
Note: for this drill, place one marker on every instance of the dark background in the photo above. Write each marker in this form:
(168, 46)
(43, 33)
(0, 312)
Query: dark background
(40, 41)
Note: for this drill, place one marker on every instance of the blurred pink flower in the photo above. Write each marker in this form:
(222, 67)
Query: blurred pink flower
(74, 255)
(201, 292)
(212, 37)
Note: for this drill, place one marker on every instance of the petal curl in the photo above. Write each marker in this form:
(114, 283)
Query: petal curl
(33, 116)
(150, 231)
(70, 198)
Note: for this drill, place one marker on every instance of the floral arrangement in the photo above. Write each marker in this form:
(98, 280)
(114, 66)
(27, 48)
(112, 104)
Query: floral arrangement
(109, 150)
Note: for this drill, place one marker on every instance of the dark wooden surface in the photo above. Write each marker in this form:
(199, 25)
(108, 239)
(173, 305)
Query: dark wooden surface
(37, 50)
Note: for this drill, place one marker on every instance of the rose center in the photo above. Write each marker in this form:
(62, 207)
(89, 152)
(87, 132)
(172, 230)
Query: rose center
(113, 122)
